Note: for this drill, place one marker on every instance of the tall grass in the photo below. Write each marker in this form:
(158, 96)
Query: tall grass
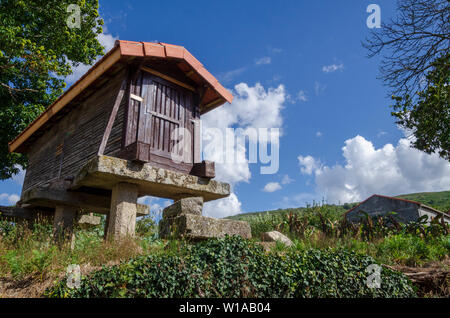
(28, 251)
(323, 226)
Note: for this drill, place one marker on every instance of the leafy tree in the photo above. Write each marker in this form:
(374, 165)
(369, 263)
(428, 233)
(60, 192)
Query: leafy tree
(37, 51)
(429, 115)
(415, 66)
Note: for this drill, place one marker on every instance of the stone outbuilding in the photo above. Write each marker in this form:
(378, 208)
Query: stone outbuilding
(406, 210)
(112, 136)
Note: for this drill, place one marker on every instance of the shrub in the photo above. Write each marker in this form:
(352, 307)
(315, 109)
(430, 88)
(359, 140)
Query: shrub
(234, 267)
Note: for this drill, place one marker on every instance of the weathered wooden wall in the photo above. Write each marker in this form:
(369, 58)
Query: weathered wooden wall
(76, 138)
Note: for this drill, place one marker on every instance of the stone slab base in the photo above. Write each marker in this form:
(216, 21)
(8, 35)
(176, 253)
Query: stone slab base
(197, 227)
(105, 172)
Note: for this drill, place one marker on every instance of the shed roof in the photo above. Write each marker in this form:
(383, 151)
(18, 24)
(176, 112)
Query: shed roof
(399, 199)
(214, 93)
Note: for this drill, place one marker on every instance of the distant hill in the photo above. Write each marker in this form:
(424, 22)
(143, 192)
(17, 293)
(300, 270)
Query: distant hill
(437, 200)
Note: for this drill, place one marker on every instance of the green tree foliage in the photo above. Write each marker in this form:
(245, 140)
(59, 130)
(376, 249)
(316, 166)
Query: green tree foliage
(415, 66)
(428, 117)
(37, 51)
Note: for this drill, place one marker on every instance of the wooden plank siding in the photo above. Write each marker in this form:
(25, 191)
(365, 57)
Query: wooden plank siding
(158, 107)
(78, 135)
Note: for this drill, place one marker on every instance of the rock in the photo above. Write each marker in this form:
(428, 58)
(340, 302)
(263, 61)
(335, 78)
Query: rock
(86, 221)
(197, 227)
(184, 206)
(276, 236)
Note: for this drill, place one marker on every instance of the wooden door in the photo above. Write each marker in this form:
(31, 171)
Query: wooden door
(156, 110)
(167, 107)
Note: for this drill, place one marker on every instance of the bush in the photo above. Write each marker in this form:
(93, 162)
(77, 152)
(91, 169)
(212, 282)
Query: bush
(234, 267)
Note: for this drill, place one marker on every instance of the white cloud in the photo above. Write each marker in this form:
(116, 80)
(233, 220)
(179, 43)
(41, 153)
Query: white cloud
(230, 75)
(252, 107)
(263, 61)
(308, 164)
(223, 207)
(107, 41)
(286, 179)
(272, 187)
(319, 134)
(390, 170)
(20, 176)
(156, 204)
(332, 68)
(10, 199)
(302, 96)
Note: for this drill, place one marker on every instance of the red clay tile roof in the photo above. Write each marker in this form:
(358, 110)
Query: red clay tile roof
(216, 95)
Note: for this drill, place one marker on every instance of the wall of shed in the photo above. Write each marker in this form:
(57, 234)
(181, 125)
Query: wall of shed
(62, 150)
(431, 214)
(375, 206)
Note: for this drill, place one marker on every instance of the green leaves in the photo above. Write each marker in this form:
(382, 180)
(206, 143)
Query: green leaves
(427, 115)
(37, 51)
(234, 267)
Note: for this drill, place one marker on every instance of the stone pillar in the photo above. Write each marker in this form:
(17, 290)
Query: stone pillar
(63, 224)
(122, 216)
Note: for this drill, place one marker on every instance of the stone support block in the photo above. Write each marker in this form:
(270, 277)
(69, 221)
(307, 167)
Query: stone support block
(121, 220)
(184, 206)
(197, 227)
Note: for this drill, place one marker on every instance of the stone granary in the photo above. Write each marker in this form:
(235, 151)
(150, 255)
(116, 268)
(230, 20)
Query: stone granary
(406, 210)
(110, 138)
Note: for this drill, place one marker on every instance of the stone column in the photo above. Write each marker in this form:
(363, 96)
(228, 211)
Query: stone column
(122, 215)
(63, 224)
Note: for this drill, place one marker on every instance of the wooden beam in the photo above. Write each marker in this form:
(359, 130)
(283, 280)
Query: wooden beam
(204, 169)
(213, 103)
(113, 115)
(168, 78)
(66, 98)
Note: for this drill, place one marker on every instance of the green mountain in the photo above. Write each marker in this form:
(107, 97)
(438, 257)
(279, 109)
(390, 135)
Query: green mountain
(437, 200)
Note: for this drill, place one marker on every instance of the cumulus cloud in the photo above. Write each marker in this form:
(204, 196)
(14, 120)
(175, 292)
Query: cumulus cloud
(332, 68)
(10, 199)
(252, 107)
(223, 207)
(389, 170)
(308, 164)
(272, 187)
(107, 41)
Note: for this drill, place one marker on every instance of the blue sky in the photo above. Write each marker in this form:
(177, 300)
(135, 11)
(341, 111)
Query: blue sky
(330, 91)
